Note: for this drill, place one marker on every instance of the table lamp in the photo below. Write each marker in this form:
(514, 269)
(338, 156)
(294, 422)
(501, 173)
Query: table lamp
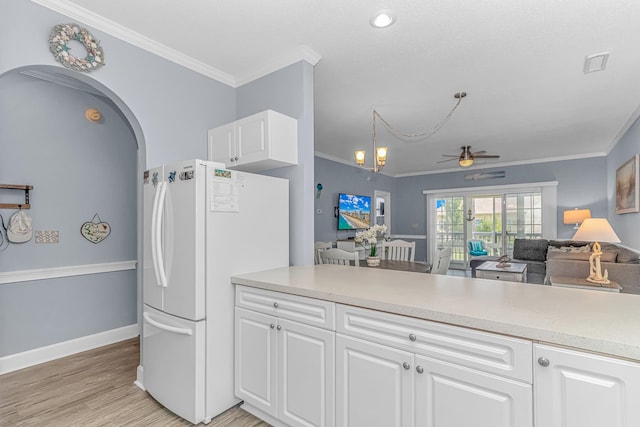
(596, 230)
(576, 216)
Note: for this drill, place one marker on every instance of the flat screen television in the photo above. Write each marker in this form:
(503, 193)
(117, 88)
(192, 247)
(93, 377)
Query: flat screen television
(354, 212)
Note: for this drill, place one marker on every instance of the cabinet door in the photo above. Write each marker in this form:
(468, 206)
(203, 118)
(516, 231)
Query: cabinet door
(449, 395)
(222, 144)
(374, 384)
(578, 389)
(306, 375)
(251, 137)
(255, 367)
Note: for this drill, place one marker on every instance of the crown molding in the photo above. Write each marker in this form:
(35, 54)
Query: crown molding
(123, 33)
(87, 17)
(301, 53)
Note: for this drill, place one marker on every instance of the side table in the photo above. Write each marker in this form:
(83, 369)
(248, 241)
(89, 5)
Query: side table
(575, 282)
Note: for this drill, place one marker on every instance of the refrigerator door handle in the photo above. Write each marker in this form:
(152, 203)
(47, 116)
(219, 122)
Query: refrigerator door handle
(154, 234)
(164, 327)
(159, 259)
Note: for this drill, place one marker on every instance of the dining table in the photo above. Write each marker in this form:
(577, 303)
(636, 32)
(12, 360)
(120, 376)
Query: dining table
(388, 264)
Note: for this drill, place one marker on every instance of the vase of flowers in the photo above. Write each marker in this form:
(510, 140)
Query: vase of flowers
(371, 236)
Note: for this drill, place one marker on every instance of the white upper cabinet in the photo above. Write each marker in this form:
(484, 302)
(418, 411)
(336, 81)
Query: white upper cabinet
(266, 140)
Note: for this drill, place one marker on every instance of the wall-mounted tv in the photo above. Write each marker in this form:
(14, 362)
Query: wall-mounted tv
(354, 212)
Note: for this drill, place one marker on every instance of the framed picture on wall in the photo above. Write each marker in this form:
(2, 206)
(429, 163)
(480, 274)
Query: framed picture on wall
(627, 186)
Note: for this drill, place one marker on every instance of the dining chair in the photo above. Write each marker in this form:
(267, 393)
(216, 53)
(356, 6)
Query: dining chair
(338, 256)
(398, 250)
(318, 247)
(441, 261)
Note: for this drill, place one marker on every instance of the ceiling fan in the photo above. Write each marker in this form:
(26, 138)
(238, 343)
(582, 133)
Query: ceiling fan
(466, 158)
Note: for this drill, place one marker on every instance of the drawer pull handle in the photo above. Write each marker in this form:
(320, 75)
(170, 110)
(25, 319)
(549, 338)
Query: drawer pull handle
(275, 304)
(543, 361)
(406, 366)
(278, 327)
(419, 369)
(272, 326)
(412, 337)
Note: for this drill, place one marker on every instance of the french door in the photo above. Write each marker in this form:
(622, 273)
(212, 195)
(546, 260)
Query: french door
(496, 218)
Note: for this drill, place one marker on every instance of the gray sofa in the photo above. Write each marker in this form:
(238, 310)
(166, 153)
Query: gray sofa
(545, 258)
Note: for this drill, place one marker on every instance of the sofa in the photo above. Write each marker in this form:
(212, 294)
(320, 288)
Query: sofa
(546, 258)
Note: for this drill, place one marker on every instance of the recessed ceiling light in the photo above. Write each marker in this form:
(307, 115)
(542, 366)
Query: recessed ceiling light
(382, 19)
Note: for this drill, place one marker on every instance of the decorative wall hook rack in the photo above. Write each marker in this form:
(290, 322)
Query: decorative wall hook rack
(24, 205)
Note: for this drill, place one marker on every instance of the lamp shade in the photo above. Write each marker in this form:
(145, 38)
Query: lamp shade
(596, 230)
(576, 216)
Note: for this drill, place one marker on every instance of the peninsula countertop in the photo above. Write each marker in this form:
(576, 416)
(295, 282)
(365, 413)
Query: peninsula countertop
(601, 322)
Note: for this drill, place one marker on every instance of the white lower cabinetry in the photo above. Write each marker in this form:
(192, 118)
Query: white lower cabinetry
(383, 386)
(396, 371)
(576, 389)
(448, 395)
(285, 369)
(307, 362)
(374, 387)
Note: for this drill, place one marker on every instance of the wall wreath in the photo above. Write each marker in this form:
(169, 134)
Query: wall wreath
(58, 45)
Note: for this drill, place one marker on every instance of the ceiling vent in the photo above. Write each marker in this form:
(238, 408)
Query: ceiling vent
(596, 62)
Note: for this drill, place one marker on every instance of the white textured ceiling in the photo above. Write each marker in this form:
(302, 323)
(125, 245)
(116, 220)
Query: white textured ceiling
(520, 61)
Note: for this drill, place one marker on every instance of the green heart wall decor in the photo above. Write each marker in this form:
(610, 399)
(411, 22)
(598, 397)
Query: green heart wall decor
(95, 230)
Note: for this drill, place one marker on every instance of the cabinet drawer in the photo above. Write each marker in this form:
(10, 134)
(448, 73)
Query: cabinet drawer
(309, 311)
(507, 276)
(497, 354)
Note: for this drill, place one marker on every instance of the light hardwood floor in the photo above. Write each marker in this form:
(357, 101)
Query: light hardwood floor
(94, 388)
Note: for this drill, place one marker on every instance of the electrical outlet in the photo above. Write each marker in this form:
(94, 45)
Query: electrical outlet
(47, 236)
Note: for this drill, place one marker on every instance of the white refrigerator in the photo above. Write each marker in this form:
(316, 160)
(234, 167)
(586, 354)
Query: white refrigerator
(202, 224)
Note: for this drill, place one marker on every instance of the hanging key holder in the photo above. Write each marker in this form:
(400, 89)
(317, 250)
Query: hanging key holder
(95, 230)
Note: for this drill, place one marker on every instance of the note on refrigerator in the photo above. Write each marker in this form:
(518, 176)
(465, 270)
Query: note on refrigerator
(223, 191)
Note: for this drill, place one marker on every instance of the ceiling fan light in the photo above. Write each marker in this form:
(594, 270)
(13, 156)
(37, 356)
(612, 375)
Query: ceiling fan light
(360, 157)
(465, 162)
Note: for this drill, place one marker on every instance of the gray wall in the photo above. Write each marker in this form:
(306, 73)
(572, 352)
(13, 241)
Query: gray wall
(78, 168)
(281, 92)
(170, 108)
(339, 178)
(581, 183)
(627, 226)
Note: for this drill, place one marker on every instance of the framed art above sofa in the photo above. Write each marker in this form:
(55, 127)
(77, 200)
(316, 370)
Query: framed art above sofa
(627, 183)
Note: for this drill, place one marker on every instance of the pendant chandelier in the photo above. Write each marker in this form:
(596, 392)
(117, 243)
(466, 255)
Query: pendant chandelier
(380, 153)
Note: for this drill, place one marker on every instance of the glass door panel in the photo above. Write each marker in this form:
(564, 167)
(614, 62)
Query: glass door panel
(486, 224)
(523, 213)
(450, 228)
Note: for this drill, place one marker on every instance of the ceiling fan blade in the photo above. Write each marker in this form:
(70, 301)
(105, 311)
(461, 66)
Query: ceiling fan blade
(487, 156)
(478, 152)
(448, 160)
(451, 155)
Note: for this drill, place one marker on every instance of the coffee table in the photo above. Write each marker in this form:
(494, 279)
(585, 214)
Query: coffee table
(516, 272)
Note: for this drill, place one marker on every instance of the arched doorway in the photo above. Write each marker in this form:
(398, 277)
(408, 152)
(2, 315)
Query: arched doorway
(80, 171)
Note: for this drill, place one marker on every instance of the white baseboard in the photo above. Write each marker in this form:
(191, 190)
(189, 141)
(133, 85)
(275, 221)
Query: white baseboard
(13, 362)
(140, 378)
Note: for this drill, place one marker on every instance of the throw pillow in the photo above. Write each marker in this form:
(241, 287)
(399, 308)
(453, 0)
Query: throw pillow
(530, 249)
(476, 246)
(570, 249)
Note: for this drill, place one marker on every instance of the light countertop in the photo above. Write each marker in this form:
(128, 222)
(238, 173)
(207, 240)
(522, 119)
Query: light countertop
(602, 322)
